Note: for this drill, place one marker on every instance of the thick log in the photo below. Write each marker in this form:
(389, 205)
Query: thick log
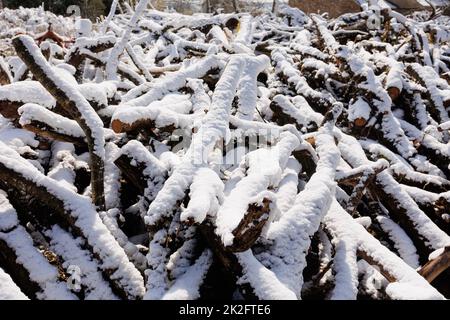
(60, 213)
(398, 212)
(435, 267)
(5, 74)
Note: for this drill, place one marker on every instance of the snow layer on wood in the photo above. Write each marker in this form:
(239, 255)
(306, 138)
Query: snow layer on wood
(402, 242)
(153, 166)
(39, 269)
(161, 116)
(435, 237)
(8, 289)
(265, 282)
(408, 284)
(27, 92)
(187, 286)
(87, 113)
(70, 249)
(112, 177)
(206, 193)
(8, 216)
(359, 109)
(247, 93)
(113, 59)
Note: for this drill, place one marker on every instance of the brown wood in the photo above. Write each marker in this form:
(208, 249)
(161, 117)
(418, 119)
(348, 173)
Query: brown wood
(435, 267)
(59, 213)
(46, 131)
(394, 93)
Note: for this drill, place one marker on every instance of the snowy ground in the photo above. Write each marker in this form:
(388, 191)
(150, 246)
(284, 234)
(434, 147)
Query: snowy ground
(156, 155)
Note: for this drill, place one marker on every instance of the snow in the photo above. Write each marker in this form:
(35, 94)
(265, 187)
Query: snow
(288, 186)
(299, 110)
(8, 217)
(402, 242)
(247, 92)
(83, 107)
(112, 176)
(98, 92)
(112, 63)
(171, 82)
(263, 171)
(186, 287)
(437, 88)
(307, 50)
(39, 269)
(157, 284)
(434, 237)
(359, 109)
(27, 92)
(394, 77)
(290, 235)
(213, 128)
(153, 169)
(205, 94)
(345, 268)
(83, 27)
(64, 164)
(206, 193)
(69, 249)
(33, 112)
(294, 78)
(338, 221)
(8, 289)
(266, 284)
(159, 114)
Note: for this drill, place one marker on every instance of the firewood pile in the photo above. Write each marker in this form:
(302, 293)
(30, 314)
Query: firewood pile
(285, 156)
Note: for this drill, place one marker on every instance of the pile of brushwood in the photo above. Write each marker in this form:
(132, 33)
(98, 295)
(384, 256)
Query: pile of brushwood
(282, 156)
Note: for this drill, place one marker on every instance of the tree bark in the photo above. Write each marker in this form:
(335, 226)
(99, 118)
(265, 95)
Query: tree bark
(96, 163)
